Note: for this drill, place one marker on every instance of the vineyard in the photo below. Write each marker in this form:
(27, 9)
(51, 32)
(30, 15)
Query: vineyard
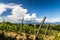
(13, 31)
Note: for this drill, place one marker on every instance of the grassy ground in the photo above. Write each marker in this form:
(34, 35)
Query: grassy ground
(13, 35)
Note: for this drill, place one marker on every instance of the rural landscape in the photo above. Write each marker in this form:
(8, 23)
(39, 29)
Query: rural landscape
(42, 31)
(29, 19)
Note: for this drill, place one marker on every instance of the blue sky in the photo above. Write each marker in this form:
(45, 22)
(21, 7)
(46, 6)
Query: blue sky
(48, 8)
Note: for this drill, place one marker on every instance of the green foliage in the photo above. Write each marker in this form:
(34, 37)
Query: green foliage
(57, 37)
(9, 26)
(57, 27)
(25, 28)
(40, 38)
(28, 29)
(18, 28)
(42, 31)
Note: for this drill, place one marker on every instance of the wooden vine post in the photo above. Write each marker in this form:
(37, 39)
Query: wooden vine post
(40, 27)
(22, 21)
(47, 29)
(34, 25)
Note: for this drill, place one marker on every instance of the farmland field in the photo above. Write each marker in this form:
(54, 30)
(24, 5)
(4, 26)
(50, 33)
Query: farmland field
(11, 31)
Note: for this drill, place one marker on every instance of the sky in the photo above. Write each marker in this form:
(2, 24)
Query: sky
(14, 10)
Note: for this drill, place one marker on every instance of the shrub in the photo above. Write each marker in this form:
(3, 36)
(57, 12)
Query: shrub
(42, 31)
(57, 27)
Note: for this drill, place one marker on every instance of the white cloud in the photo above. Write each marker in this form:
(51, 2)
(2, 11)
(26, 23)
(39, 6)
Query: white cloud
(39, 19)
(33, 16)
(29, 18)
(53, 20)
(2, 8)
(18, 12)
